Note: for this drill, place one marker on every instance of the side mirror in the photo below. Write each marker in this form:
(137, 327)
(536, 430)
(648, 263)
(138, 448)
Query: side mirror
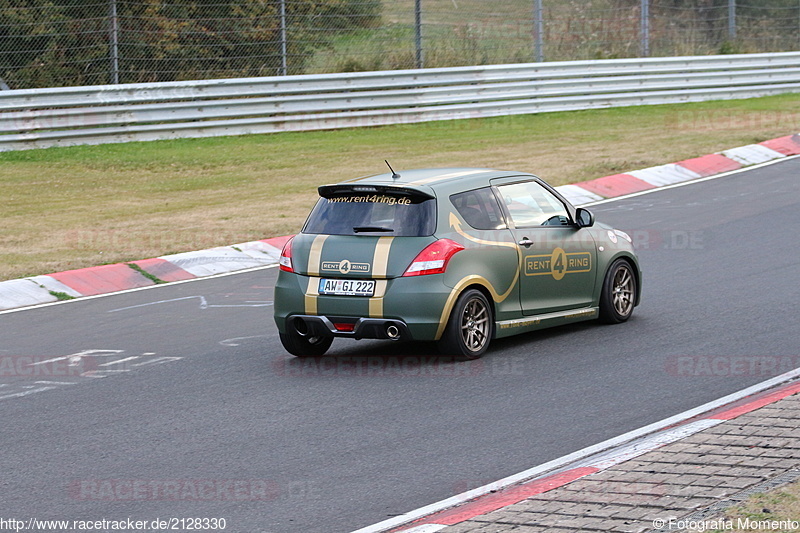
(584, 218)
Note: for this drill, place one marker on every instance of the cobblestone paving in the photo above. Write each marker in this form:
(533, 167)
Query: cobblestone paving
(670, 483)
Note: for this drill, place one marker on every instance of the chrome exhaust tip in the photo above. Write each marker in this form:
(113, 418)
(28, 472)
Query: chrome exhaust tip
(300, 327)
(392, 332)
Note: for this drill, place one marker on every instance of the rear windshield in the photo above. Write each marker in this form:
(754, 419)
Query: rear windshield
(373, 214)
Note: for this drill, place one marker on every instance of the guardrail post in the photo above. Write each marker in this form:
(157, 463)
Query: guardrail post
(538, 30)
(420, 60)
(114, 39)
(645, 31)
(284, 62)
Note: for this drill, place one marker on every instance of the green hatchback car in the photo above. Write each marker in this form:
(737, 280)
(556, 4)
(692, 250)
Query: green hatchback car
(459, 256)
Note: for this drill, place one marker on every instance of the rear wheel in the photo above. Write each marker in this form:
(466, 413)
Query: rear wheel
(304, 346)
(469, 328)
(619, 293)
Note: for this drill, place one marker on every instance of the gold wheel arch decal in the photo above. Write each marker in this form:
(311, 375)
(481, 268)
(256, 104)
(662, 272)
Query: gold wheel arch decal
(458, 289)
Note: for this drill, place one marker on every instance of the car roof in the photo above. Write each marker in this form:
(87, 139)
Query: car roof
(444, 180)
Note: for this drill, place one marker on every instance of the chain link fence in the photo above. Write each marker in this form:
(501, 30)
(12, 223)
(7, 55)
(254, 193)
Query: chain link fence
(53, 43)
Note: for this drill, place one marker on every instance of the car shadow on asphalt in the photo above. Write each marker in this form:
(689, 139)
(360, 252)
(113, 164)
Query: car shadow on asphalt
(371, 357)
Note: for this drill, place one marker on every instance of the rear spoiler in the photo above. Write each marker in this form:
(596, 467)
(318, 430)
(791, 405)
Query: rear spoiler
(332, 191)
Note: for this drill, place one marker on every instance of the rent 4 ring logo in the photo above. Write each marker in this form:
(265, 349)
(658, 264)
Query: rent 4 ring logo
(558, 264)
(345, 267)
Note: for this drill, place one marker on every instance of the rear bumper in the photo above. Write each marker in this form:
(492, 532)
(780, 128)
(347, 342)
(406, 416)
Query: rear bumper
(412, 304)
(349, 327)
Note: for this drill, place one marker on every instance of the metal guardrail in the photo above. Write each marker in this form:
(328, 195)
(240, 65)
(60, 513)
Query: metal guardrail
(38, 118)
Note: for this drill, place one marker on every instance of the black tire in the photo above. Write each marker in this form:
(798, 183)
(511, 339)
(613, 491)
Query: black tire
(619, 293)
(470, 327)
(307, 346)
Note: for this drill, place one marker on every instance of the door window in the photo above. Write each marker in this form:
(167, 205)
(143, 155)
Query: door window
(530, 204)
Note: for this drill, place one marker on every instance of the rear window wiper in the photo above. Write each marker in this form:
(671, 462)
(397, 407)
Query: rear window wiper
(372, 229)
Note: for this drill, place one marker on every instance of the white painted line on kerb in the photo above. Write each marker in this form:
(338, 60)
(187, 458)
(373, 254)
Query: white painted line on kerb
(646, 444)
(426, 528)
(579, 455)
(127, 291)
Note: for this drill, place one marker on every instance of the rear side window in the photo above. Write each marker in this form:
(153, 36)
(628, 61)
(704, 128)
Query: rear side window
(479, 208)
(373, 214)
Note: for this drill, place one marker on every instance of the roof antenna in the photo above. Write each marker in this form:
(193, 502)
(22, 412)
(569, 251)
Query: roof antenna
(395, 175)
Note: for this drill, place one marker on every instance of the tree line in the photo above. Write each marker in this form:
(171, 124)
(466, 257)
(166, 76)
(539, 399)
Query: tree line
(45, 43)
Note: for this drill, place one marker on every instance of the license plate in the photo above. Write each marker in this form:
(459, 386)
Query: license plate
(347, 287)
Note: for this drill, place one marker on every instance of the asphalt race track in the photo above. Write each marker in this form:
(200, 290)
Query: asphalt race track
(179, 402)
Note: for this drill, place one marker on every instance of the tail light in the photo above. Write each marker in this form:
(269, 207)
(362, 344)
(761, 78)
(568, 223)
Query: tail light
(286, 257)
(434, 258)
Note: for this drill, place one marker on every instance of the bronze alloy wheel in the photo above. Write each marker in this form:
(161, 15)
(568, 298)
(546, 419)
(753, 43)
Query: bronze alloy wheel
(475, 324)
(623, 292)
(619, 293)
(470, 327)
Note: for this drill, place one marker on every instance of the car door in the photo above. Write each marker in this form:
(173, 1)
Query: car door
(558, 258)
(481, 226)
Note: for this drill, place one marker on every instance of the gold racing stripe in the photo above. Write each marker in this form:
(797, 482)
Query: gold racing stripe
(312, 270)
(446, 176)
(380, 265)
(428, 180)
(376, 303)
(380, 261)
(312, 292)
(315, 255)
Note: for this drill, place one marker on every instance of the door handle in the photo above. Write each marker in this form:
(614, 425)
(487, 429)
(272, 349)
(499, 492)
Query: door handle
(525, 242)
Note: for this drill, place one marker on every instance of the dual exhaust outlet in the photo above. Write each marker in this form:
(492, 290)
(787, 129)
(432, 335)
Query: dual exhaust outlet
(363, 328)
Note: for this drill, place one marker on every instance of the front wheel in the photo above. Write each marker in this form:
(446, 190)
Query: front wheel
(304, 346)
(469, 328)
(618, 297)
